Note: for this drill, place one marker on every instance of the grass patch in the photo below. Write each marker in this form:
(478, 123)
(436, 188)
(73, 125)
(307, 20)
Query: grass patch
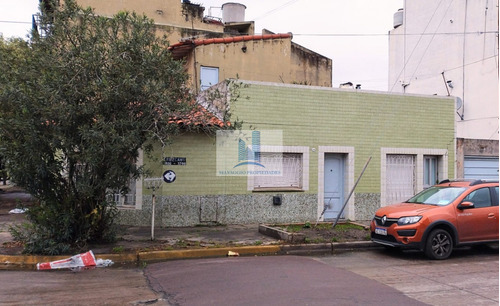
(347, 226)
(293, 228)
(315, 240)
(118, 249)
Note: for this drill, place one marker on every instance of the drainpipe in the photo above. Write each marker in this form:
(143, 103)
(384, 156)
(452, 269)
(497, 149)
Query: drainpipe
(195, 72)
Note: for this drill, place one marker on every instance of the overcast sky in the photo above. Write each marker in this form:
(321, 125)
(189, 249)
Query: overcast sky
(353, 33)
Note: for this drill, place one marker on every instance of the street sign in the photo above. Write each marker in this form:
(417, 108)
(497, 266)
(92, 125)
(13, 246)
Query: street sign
(174, 161)
(169, 176)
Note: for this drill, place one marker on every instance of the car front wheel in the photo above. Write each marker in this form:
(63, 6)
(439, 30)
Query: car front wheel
(439, 244)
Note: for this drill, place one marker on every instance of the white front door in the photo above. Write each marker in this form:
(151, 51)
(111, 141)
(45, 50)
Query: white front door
(334, 185)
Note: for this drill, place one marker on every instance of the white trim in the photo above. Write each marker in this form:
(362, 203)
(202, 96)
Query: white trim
(287, 149)
(348, 179)
(442, 155)
(322, 88)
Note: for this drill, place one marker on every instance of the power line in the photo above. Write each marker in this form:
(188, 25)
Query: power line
(436, 74)
(389, 34)
(347, 34)
(430, 42)
(406, 61)
(471, 63)
(276, 9)
(10, 21)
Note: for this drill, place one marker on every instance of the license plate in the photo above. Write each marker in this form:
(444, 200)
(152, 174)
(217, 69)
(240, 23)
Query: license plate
(381, 231)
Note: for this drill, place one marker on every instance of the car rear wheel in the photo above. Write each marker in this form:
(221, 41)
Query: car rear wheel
(439, 244)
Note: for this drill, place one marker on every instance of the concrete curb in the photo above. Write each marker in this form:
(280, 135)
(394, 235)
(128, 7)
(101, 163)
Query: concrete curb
(200, 253)
(326, 248)
(30, 261)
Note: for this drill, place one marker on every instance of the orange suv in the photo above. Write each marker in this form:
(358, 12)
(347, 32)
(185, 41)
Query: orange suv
(452, 213)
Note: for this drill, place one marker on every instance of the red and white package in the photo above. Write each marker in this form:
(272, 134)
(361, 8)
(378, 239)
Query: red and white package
(81, 260)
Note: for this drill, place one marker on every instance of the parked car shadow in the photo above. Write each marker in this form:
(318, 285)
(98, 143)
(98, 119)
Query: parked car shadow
(463, 252)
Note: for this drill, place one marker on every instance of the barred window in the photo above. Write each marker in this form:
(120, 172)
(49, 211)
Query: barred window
(400, 177)
(291, 165)
(125, 200)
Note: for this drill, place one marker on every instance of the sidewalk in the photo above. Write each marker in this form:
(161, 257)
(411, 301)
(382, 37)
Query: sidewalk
(135, 245)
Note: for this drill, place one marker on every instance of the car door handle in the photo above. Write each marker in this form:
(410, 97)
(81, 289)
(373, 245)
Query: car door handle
(491, 216)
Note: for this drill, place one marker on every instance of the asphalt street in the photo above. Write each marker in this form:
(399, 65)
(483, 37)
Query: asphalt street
(369, 277)
(269, 280)
(374, 277)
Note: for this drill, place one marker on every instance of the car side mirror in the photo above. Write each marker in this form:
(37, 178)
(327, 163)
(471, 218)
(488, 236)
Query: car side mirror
(466, 205)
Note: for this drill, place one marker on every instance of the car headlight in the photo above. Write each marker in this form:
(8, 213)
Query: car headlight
(409, 220)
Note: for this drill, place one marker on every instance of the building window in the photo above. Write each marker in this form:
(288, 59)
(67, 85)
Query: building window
(430, 171)
(133, 197)
(400, 177)
(125, 199)
(293, 164)
(208, 76)
(406, 171)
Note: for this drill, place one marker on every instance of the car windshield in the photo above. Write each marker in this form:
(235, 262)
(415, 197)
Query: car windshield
(437, 195)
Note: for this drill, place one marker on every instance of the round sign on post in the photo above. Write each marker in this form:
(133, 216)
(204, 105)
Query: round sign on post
(169, 176)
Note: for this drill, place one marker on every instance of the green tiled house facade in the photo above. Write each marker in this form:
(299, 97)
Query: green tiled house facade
(317, 123)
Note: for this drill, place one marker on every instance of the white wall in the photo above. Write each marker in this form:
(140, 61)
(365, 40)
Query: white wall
(459, 38)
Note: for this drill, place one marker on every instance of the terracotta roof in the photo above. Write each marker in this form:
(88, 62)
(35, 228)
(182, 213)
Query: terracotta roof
(181, 49)
(199, 117)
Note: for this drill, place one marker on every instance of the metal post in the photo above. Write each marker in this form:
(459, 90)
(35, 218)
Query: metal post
(153, 184)
(153, 217)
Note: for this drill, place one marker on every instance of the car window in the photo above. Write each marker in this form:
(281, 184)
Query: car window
(480, 197)
(437, 195)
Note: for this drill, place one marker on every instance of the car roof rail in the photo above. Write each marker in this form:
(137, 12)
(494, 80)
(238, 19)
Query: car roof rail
(473, 182)
(477, 182)
(456, 180)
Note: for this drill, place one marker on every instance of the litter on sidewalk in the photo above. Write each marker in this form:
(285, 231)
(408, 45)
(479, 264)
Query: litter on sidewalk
(76, 262)
(17, 211)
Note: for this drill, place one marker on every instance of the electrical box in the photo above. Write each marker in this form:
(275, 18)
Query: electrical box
(277, 200)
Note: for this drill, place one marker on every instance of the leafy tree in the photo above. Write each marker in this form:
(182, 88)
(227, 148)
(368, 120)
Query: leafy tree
(78, 102)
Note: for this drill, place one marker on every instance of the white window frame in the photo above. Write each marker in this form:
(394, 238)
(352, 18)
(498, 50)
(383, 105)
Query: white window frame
(207, 68)
(431, 170)
(304, 151)
(442, 160)
(126, 200)
(138, 190)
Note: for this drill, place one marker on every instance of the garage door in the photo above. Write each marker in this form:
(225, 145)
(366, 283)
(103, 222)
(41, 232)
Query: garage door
(481, 168)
